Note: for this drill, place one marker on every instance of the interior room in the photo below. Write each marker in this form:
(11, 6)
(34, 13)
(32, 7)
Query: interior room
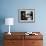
(33, 19)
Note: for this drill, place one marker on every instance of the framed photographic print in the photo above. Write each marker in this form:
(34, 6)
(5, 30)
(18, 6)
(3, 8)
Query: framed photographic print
(26, 15)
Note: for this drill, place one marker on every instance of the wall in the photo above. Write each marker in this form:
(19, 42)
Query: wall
(9, 8)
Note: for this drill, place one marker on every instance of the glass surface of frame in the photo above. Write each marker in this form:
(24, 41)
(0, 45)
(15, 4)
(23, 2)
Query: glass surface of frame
(26, 15)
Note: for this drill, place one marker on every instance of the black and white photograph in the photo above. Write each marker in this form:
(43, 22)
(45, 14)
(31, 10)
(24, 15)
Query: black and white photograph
(26, 15)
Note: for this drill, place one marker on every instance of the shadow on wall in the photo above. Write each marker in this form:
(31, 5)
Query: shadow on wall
(2, 21)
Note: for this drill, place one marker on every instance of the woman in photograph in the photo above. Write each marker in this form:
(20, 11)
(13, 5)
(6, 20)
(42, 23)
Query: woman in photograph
(31, 15)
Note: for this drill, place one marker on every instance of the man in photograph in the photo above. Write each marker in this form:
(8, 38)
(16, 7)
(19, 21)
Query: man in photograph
(23, 15)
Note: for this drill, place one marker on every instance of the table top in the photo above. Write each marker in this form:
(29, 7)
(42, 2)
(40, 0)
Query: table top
(22, 35)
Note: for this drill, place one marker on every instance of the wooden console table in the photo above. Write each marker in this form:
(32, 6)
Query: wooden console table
(20, 39)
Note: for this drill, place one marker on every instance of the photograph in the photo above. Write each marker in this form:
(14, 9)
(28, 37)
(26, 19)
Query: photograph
(26, 15)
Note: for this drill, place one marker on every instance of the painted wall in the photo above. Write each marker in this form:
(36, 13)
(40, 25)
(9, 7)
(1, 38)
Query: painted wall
(9, 8)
